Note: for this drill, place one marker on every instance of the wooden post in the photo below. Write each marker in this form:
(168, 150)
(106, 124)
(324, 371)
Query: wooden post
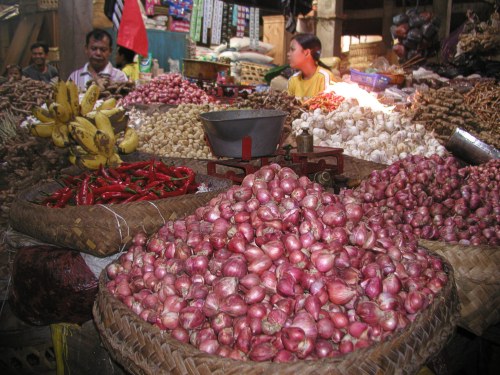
(329, 28)
(442, 8)
(387, 22)
(75, 21)
(19, 41)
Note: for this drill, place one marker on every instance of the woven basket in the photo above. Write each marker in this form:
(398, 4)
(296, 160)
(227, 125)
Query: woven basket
(143, 349)
(48, 4)
(253, 74)
(364, 49)
(103, 230)
(477, 273)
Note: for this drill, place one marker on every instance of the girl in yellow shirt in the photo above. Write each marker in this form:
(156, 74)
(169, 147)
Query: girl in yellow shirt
(313, 76)
(125, 61)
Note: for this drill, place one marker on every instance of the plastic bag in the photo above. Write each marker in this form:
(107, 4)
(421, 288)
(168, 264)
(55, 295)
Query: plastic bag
(399, 19)
(52, 285)
(414, 35)
(380, 64)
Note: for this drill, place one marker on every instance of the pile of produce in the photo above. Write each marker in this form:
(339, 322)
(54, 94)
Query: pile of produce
(480, 37)
(109, 89)
(365, 134)
(90, 133)
(21, 96)
(130, 182)
(417, 34)
(484, 100)
(167, 89)
(175, 133)
(445, 109)
(436, 200)
(273, 100)
(327, 102)
(26, 161)
(277, 269)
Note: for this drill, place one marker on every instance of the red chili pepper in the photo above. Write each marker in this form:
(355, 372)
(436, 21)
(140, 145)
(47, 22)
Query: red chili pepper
(131, 166)
(133, 198)
(115, 174)
(148, 197)
(188, 172)
(65, 197)
(151, 171)
(103, 172)
(119, 188)
(81, 196)
(114, 194)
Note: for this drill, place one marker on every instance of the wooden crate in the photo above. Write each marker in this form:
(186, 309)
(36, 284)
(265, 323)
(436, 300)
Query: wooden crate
(274, 32)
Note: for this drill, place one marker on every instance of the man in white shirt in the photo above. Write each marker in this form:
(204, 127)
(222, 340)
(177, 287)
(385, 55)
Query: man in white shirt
(98, 48)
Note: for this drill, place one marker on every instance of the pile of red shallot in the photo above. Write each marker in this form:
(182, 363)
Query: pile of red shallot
(277, 269)
(167, 89)
(435, 199)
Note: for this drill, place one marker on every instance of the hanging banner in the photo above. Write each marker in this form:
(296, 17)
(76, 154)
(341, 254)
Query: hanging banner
(217, 22)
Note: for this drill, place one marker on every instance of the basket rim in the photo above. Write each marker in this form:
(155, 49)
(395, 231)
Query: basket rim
(398, 337)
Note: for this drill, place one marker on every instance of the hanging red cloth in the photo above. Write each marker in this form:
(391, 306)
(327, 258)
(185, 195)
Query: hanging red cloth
(132, 32)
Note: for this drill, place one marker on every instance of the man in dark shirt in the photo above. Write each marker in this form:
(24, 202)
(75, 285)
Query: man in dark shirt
(39, 69)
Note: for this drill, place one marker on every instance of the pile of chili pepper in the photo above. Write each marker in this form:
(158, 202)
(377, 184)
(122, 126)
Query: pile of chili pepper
(130, 182)
(327, 101)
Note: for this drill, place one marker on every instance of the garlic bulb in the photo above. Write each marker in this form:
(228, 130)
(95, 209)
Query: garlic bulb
(370, 135)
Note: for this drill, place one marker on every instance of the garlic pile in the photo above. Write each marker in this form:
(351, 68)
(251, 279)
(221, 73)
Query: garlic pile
(175, 133)
(365, 134)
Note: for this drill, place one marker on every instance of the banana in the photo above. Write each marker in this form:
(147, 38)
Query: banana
(42, 114)
(74, 101)
(62, 98)
(62, 112)
(107, 104)
(104, 144)
(72, 159)
(89, 99)
(130, 141)
(60, 135)
(85, 124)
(114, 160)
(84, 137)
(77, 150)
(91, 161)
(43, 130)
(108, 112)
(103, 124)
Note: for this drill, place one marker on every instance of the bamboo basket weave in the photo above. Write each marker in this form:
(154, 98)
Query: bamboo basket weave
(477, 273)
(103, 230)
(143, 349)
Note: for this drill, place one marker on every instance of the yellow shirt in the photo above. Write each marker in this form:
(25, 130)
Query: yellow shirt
(131, 71)
(307, 88)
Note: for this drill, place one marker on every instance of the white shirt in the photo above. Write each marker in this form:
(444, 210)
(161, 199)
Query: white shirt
(83, 75)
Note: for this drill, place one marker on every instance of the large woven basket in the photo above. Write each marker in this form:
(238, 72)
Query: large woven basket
(477, 274)
(144, 349)
(103, 230)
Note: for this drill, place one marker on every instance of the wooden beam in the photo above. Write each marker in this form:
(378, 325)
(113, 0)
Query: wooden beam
(329, 27)
(387, 22)
(443, 8)
(18, 43)
(37, 26)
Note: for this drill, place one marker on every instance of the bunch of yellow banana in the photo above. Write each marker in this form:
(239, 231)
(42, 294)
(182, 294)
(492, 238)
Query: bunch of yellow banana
(89, 132)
